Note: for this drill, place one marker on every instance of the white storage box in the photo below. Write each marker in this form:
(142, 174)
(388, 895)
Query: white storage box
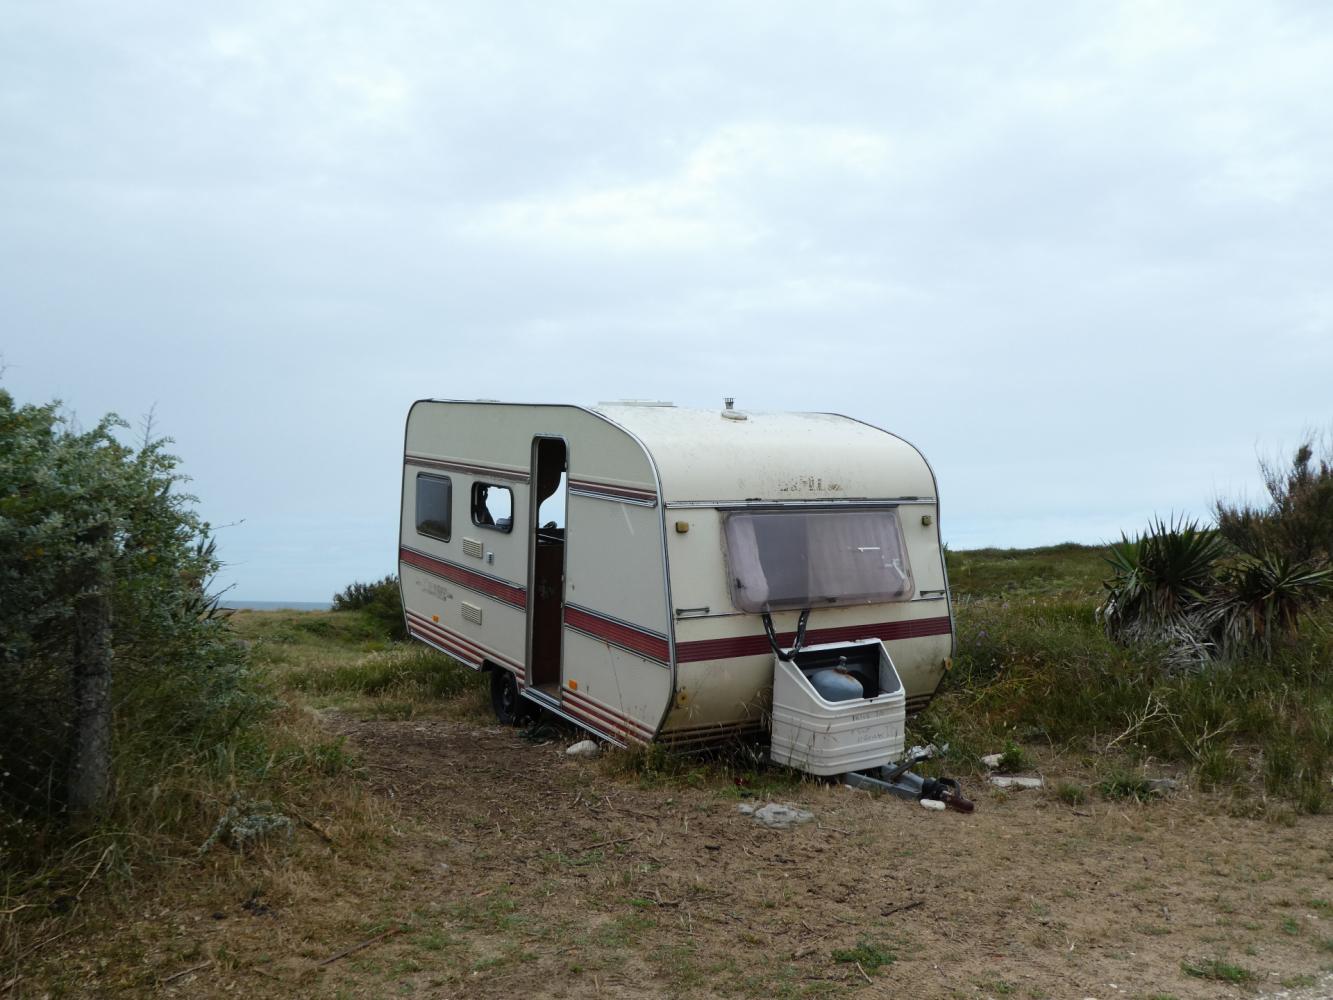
(833, 737)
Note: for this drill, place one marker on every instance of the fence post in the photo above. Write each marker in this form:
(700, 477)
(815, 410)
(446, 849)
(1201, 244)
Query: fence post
(90, 766)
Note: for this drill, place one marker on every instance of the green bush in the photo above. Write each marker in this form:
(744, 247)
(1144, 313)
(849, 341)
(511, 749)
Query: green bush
(380, 602)
(86, 522)
(1297, 522)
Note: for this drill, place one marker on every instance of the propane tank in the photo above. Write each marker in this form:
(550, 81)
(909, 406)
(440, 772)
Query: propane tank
(836, 683)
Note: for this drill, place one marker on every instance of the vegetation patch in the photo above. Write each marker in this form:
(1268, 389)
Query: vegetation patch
(1216, 969)
(868, 954)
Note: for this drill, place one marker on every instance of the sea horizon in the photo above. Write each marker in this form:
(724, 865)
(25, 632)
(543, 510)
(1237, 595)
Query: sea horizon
(239, 604)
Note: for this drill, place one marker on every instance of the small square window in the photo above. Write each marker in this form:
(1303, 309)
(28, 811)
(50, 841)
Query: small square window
(493, 506)
(434, 506)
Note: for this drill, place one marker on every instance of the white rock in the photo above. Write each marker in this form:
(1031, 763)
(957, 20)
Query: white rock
(584, 748)
(780, 817)
(992, 760)
(1015, 781)
(934, 804)
(745, 809)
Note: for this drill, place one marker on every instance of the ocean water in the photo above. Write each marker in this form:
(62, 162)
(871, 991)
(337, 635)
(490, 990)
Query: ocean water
(240, 605)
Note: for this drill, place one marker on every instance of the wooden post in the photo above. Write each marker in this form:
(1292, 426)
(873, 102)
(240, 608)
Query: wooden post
(90, 758)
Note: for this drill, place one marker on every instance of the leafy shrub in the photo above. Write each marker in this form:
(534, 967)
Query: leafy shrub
(1297, 522)
(88, 522)
(380, 601)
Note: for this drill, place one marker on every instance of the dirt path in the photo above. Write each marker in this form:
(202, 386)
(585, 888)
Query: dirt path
(553, 879)
(515, 871)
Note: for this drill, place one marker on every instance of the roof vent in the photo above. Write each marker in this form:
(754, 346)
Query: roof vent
(729, 412)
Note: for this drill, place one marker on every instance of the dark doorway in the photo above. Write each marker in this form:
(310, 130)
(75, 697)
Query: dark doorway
(550, 459)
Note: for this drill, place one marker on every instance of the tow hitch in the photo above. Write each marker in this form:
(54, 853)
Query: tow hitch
(898, 779)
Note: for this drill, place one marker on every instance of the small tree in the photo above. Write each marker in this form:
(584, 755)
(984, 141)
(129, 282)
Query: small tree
(102, 560)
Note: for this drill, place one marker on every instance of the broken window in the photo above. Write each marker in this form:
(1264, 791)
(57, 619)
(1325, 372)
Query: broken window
(493, 506)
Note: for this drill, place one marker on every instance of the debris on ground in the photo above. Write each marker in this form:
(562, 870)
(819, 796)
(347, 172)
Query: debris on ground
(1015, 781)
(1161, 786)
(992, 760)
(584, 748)
(934, 804)
(776, 816)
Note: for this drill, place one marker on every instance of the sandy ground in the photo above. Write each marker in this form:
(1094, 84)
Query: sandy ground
(514, 870)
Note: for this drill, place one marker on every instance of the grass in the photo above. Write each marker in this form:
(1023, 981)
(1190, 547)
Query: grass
(1218, 970)
(1033, 666)
(867, 954)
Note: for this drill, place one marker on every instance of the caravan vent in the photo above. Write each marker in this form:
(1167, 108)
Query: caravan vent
(471, 612)
(472, 547)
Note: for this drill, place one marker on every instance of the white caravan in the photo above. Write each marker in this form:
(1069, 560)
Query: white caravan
(651, 572)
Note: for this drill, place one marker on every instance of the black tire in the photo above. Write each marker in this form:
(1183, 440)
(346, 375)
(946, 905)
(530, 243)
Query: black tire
(511, 708)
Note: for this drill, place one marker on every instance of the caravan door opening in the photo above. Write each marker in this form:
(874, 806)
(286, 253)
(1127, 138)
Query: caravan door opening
(546, 613)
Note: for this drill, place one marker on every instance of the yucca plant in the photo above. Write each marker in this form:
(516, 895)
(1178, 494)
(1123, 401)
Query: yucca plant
(1260, 598)
(1161, 578)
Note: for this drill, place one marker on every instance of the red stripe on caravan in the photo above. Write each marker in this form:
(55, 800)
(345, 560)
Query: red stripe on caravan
(602, 719)
(757, 645)
(442, 644)
(476, 648)
(618, 718)
(501, 590)
(636, 640)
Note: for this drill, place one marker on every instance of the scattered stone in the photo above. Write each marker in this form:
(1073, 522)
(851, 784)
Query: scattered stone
(928, 751)
(992, 760)
(1161, 786)
(584, 748)
(934, 804)
(776, 816)
(1015, 781)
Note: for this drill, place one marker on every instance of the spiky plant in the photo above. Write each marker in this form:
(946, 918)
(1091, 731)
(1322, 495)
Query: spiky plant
(1260, 598)
(1160, 578)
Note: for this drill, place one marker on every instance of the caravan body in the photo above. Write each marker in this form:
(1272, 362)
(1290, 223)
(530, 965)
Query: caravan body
(614, 564)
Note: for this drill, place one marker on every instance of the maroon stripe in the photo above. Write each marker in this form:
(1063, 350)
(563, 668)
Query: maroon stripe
(612, 716)
(441, 643)
(645, 643)
(627, 492)
(501, 590)
(467, 468)
(757, 645)
(475, 648)
(599, 720)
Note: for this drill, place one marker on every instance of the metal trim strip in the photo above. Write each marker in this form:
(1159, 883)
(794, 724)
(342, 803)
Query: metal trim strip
(467, 468)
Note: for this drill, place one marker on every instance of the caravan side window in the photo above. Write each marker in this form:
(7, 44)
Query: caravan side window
(434, 506)
(493, 506)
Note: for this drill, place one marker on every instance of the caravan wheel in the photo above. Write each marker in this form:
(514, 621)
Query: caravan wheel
(510, 708)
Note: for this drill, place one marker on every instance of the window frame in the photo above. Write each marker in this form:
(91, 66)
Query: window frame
(504, 529)
(449, 506)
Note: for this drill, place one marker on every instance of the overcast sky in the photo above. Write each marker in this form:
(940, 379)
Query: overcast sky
(1079, 253)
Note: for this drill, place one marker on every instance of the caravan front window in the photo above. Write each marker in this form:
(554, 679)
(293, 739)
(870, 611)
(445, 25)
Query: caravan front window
(819, 558)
